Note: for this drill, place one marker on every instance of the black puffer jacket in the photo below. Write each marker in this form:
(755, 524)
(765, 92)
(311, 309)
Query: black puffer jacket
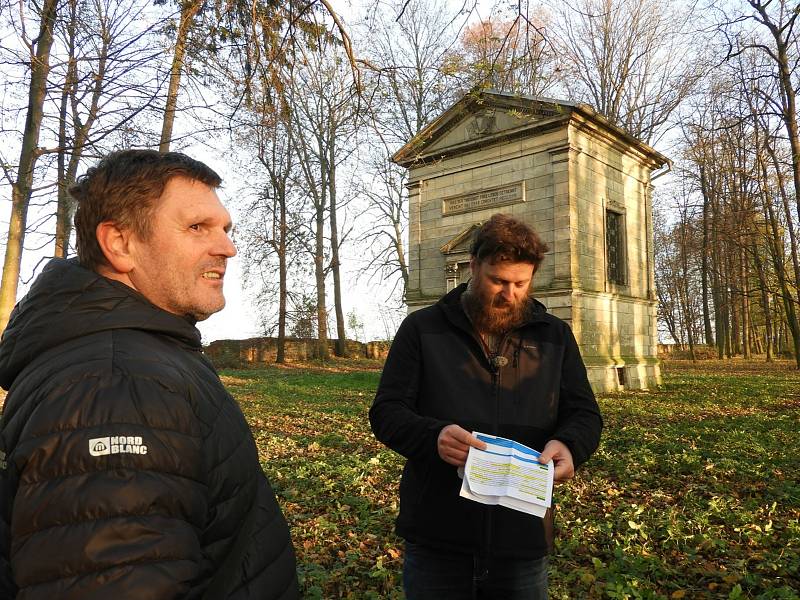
(129, 471)
(437, 373)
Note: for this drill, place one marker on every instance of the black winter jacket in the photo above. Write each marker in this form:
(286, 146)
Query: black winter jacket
(128, 472)
(438, 373)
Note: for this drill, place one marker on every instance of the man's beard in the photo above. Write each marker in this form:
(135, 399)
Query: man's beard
(491, 314)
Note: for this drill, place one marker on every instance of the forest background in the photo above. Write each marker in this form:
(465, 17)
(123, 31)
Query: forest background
(300, 103)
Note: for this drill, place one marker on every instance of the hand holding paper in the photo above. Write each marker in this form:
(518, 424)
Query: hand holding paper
(509, 474)
(559, 453)
(454, 443)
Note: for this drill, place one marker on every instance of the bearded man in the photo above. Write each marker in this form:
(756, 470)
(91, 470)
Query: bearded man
(487, 357)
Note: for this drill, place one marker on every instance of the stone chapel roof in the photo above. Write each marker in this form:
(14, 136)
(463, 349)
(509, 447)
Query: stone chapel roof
(530, 115)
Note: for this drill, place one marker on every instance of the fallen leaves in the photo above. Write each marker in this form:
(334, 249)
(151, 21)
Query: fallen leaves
(692, 494)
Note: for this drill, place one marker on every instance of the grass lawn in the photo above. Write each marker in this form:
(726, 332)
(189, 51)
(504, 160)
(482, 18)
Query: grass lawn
(694, 492)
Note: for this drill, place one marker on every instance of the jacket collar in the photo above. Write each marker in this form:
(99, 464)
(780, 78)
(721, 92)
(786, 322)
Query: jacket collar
(68, 301)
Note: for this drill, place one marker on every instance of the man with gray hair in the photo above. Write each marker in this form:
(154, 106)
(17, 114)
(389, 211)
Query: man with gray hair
(127, 471)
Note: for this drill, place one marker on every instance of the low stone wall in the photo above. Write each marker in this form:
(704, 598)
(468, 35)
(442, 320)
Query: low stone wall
(232, 354)
(706, 352)
(701, 351)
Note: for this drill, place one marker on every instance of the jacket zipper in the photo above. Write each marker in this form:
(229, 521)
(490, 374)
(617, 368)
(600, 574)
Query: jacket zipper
(488, 510)
(515, 365)
(495, 370)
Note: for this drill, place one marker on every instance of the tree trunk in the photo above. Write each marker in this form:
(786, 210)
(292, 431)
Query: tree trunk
(778, 254)
(63, 199)
(66, 205)
(746, 350)
(62, 236)
(709, 335)
(762, 278)
(690, 334)
(401, 257)
(719, 318)
(189, 9)
(29, 153)
(734, 302)
(319, 266)
(780, 330)
(717, 269)
(682, 287)
(319, 276)
(341, 335)
(727, 316)
(280, 356)
(789, 220)
(789, 98)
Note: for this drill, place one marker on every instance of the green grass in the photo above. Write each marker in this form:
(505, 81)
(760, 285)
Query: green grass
(694, 492)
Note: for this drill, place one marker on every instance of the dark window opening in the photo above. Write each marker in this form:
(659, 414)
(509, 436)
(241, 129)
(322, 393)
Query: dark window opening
(615, 247)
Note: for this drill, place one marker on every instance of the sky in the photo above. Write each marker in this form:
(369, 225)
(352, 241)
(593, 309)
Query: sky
(370, 300)
(238, 320)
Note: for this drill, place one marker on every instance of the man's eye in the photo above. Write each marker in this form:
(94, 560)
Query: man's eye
(195, 227)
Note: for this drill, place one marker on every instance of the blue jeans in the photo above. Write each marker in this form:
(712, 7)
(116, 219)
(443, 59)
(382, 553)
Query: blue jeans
(432, 574)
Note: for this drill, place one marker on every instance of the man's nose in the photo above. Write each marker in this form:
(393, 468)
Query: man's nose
(506, 292)
(225, 246)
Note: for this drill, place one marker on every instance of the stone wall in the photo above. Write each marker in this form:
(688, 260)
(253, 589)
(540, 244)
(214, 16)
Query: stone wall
(615, 324)
(538, 165)
(255, 352)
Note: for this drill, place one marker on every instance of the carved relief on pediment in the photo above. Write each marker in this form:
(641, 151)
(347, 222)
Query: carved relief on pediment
(482, 124)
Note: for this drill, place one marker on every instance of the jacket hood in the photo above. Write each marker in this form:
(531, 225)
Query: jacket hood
(68, 301)
(450, 303)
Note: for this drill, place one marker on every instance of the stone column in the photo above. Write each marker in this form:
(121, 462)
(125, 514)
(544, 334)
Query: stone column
(414, 189)
(563, 242)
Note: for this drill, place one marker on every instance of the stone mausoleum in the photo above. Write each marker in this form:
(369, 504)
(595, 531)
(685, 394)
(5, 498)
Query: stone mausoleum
(582, 183)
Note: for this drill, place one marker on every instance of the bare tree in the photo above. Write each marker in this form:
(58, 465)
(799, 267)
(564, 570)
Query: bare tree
(22, 182)
(740, 166)
(410, 81)
(188, 12)
(103, 79)
(765, 77)
(388, 208)
(108, 79)
(409, 84)
(257, 35)
(325, 112)
(272, 228)
(777, 19)
(632, 60)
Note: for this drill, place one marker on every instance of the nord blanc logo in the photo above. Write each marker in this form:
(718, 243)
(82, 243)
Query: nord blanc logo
(117, 444)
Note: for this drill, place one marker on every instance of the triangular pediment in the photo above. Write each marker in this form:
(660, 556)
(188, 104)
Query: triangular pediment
(478, 119)
(483, 118)
(460, 244)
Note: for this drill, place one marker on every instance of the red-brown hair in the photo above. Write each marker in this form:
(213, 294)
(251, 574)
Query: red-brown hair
(505, 239)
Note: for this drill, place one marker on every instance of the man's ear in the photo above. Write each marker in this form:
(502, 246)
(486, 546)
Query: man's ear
(115, 243)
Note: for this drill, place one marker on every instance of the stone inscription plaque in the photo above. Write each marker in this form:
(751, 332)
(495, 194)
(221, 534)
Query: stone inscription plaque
(499, 196)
